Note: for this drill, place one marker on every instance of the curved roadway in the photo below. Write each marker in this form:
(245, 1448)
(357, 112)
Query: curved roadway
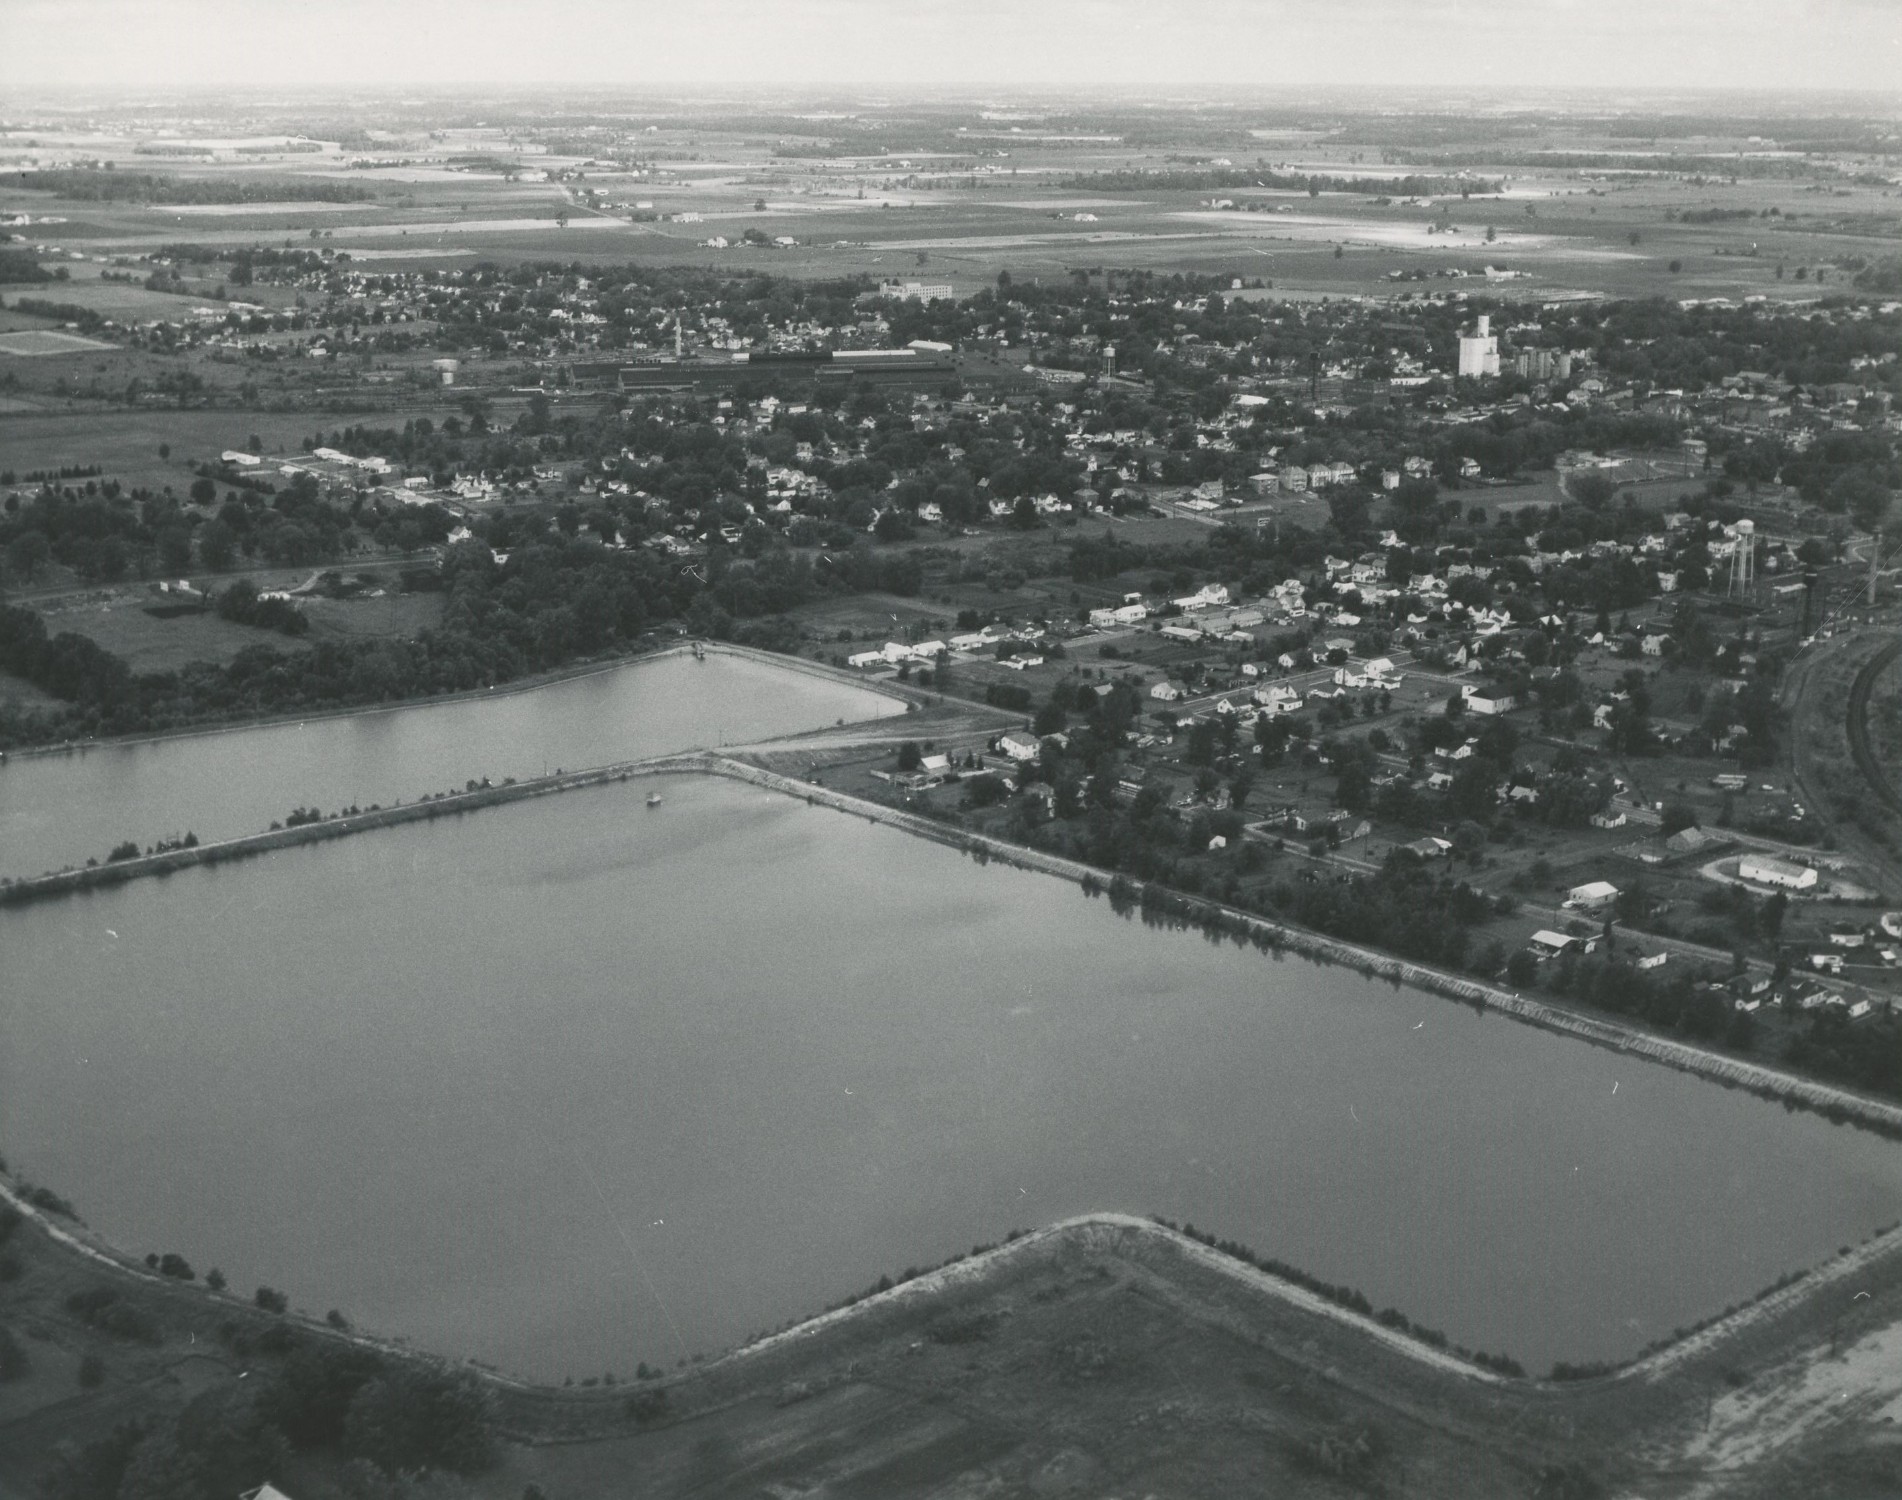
(1858, 724)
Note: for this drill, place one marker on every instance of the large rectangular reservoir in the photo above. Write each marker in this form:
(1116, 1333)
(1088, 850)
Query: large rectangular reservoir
(574, 1083)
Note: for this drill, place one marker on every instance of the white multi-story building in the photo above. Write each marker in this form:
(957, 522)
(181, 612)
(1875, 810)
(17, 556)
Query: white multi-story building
(917, 291)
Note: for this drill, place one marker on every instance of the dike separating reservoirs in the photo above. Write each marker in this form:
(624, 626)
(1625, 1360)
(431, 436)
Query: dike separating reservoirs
(1826, 1099)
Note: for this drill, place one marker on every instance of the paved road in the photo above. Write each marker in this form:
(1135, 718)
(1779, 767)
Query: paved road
(1877, 775)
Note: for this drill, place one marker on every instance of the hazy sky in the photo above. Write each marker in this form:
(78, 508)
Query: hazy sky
(1268, 44)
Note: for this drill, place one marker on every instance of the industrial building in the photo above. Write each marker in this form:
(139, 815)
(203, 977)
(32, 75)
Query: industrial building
(917, 291)
(1479, 350)
(1782, 873)
(917, 368)
(1542, 364)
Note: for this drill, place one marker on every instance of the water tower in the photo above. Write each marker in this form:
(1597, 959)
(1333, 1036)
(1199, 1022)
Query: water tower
(1743, 561)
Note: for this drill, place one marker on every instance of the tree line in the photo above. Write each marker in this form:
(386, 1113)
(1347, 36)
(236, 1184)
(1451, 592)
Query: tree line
(107, 184)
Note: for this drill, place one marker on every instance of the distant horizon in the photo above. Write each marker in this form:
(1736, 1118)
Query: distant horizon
(182, 48)
(866, 93)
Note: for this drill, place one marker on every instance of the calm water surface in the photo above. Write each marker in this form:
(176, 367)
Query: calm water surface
(570, 1084)
(60, 810)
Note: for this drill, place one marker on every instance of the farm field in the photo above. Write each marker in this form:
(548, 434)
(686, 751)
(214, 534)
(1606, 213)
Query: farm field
(985, 201)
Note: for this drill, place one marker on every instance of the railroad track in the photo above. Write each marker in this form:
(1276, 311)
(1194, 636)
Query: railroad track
(1859, 694)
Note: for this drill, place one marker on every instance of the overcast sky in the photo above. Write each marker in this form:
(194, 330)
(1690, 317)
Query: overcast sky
(1267, 44)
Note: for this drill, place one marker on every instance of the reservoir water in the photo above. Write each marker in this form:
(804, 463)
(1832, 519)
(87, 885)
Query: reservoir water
(572, 1083)
(59, 810)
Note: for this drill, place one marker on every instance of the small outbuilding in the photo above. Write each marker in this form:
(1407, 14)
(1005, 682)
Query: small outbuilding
(1592, 895)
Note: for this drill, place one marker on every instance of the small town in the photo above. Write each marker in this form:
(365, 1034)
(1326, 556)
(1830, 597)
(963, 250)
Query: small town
(569, 648)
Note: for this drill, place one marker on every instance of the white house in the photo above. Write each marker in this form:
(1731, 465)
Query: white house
(1020, 747)
(1487, 704)
(1549, 944)
(1206, 597)
(1165, 692)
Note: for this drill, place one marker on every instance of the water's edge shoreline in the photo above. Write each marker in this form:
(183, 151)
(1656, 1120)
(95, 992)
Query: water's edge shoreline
(886, 688)
(1827, 1099)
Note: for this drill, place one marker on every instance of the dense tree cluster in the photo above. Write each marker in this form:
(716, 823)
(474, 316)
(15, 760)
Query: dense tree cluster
(105, 534)
(18, 266)
(385, 1418)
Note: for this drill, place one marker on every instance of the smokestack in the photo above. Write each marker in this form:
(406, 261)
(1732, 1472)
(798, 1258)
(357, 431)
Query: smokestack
(1809, 595)
(1485, 324)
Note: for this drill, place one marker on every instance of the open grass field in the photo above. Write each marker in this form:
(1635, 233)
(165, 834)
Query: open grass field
(118, 622)
(126, 444)
(1543, 489)
(38, 343)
